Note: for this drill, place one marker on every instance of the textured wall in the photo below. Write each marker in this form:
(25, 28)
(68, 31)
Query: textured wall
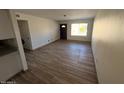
(108, 46)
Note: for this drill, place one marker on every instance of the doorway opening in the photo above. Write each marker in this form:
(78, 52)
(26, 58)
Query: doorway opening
(25, 34)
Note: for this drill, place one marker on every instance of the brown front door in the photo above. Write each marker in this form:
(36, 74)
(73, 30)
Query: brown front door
(63, 31)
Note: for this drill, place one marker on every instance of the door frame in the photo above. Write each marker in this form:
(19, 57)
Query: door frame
(65, 32)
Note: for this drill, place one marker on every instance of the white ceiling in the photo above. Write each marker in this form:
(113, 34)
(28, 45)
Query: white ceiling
(58, 14)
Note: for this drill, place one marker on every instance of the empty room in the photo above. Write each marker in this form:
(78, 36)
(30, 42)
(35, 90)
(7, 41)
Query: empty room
(61, 46)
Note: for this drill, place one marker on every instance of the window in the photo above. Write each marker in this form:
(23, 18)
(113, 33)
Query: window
(79, 29)
(63, 26)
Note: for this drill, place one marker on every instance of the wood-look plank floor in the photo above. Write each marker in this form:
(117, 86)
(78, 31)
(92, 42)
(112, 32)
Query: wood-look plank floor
(67, 62)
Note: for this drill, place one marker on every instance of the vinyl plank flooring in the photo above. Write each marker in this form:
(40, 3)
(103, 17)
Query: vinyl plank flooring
(61, 62)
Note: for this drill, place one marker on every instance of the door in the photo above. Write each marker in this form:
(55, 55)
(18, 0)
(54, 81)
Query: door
(24, 32)
(63, 31)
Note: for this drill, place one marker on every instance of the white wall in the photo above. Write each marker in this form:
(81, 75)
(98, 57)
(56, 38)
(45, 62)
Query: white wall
(6, 30)
(80, 38)
(108, 46)
(18, 39)
(14, 61)
(9, 30)
(41, 30)
(10, 62)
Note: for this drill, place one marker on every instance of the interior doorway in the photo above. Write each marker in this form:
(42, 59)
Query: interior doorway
(24, 32)
(63, 31)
